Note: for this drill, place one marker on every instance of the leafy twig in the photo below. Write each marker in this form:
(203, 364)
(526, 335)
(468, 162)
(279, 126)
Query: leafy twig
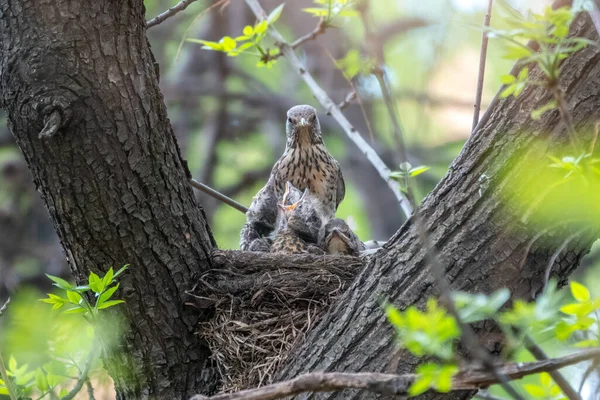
(332, 108)
(389, 384)
(182, 5)
(482, 58)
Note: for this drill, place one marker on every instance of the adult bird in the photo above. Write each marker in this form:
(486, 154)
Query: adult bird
(306, 164)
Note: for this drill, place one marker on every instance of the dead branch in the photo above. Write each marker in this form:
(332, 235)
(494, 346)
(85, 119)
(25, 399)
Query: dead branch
(389, 384)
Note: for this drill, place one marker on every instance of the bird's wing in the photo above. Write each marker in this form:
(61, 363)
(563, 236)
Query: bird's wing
(340, 186)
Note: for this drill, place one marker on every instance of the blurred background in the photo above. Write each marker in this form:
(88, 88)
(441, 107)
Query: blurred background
(229, 116)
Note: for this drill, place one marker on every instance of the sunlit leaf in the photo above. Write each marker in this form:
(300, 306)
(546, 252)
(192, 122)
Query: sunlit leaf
(580, 292)
(108, 278)
(275, 14)
(110, 303)
(107, 294)
(61, 283)
(317, 12)
(418, 170)
(73, 297)
(40, 380)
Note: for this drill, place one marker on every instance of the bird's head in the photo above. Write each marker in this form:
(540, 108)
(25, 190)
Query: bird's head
(339, 238)
(302, 127)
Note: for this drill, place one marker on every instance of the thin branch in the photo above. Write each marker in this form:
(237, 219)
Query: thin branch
(588, 372)
(347, 100)
(560, 380)
(482, 58)
(217, 195)
(3, 308)
(90, 389)
(83, 376)
(332, 108)
(389, 384)
(182, 5)
(485, 395)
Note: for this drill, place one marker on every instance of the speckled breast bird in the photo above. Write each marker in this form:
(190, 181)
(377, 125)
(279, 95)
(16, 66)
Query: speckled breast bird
(306, 164)
(298, 223)
(336, 237)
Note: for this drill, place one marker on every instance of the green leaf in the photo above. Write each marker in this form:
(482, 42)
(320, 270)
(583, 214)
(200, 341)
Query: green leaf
(508, 91)
(61, 283)
(534, 390)
(108, 278)
(248, 31)
(12, 364)
(418, 170)
(517, 52)
(95, 283)
(228, 44)
(40, 380)
(420, 385)
(261, 27)
(507, 79)
(110, 303)
(574, 309)
(523, 74)
(63, 392)
(538, 112)
(580, 292)
(588, 343)
(394, 316)
(207, 44)
(275, 14)
(76, 310)
(107, 294)
(73, 297)
(348, 12)
(4, 390)
(317, 12)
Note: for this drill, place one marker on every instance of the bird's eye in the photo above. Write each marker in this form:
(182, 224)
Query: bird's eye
(290, 120)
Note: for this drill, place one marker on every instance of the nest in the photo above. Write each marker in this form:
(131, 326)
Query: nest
(263, 306)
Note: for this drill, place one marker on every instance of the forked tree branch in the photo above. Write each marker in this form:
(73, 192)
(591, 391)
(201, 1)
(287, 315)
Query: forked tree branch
(333, 109)
(182, 5)
(390, 384)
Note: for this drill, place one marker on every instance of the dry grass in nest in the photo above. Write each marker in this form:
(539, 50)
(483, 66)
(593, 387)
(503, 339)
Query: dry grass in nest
(264, 304)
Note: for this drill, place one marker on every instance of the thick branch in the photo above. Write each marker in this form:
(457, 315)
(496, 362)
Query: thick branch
(388, 384)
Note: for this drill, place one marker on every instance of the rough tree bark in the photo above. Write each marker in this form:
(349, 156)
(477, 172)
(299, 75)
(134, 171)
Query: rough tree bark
(112, 176)
(115, 186)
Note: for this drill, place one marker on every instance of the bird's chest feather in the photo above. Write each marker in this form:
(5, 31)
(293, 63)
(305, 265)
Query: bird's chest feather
(308, 168)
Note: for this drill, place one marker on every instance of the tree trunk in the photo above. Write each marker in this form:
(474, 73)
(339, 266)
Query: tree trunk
(112, 176)
(478, 236)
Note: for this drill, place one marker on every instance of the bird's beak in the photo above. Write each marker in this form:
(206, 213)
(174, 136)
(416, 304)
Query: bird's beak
(303, 122)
